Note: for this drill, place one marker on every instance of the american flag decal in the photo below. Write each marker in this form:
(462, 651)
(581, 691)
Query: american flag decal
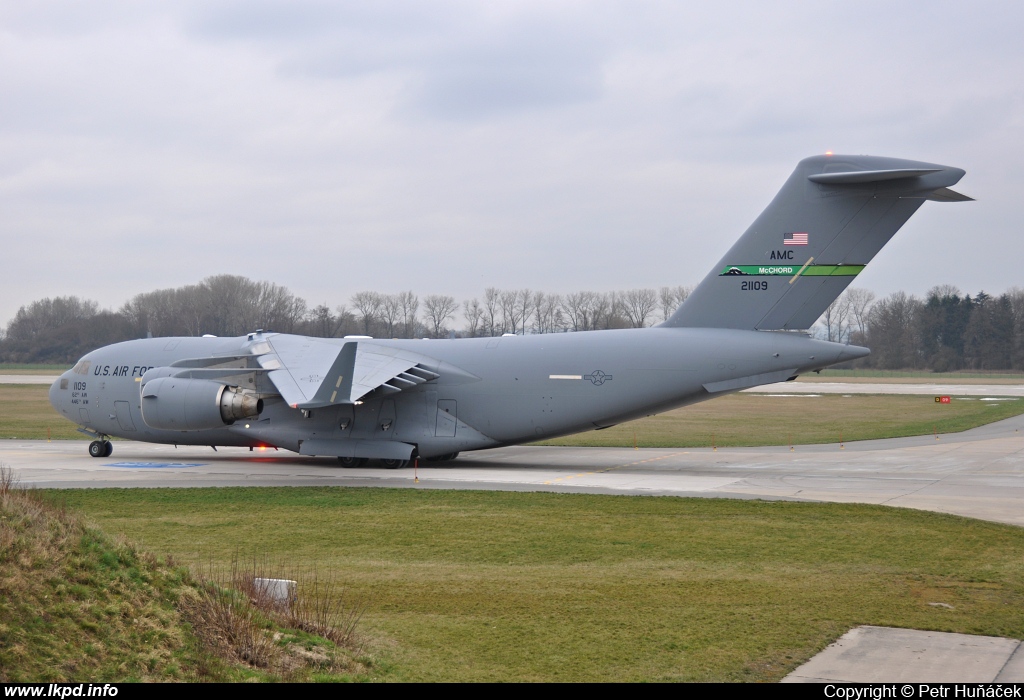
(795, 239)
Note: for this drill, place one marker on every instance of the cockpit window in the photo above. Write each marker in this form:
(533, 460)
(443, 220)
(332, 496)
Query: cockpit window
(81, 368)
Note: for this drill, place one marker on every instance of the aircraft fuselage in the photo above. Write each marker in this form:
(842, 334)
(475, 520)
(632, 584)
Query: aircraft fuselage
(509, 390)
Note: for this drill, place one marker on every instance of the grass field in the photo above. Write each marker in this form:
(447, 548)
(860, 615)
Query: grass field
(79, 605)
(19, 368)
(964, 377)
(736, 420)
(26, 413)
(500, 586)
(754, 419)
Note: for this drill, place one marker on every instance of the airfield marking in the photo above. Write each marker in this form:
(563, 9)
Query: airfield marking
(610, 469)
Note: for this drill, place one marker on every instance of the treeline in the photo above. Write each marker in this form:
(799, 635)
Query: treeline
(63, 329)
(945, 331)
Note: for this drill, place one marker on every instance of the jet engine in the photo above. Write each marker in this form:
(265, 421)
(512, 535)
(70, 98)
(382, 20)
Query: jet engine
(172, 403)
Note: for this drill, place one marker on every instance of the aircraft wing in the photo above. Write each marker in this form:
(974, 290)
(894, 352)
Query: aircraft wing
(312, 373)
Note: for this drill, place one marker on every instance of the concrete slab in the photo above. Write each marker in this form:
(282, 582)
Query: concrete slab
(28, 378)
(1013, 671)
(888, 655)
(978, 473)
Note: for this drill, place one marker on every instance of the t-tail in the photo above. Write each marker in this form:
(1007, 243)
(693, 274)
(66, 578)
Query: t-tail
(829, 220)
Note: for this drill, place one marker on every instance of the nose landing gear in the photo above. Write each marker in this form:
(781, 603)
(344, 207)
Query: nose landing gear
(100, 448)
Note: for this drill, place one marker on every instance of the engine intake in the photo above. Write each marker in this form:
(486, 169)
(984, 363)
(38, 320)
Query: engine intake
(172, 403)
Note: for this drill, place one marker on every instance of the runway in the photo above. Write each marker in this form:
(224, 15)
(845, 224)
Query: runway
(978, 473)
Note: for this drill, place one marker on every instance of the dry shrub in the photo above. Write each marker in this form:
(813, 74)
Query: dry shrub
(228, 623)
(8, 481)
(235, 615)
(323, 609)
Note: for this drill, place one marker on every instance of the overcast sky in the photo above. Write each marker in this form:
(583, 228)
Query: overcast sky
(445, 147)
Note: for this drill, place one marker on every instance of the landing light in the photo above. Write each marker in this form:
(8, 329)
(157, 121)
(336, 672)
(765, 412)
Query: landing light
(828, 153)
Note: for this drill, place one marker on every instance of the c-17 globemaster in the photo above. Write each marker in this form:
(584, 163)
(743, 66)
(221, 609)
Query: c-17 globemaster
(361, 398)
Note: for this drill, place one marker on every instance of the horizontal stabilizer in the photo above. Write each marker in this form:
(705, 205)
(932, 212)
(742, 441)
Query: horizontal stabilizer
(857, 177)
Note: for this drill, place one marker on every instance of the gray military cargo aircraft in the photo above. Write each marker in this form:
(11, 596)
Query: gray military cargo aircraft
(361, 398)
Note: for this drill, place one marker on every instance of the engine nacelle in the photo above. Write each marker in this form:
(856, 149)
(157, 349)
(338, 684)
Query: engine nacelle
(172, 403)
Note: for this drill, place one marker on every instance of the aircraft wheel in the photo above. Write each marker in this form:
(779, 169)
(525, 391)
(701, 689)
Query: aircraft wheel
(351, 462)
(109, 449)
(97, 449)
(395, 463)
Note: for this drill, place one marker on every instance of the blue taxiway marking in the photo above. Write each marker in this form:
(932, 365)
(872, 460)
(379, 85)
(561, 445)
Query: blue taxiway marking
(154, 465)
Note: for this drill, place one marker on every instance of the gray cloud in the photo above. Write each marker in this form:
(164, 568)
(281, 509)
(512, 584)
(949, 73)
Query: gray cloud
(446, 147)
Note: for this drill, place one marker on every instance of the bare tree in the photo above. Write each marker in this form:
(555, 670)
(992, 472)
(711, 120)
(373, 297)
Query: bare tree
(509, 311)
(367, 304)
(638, 305)
(547, 313)
(861, 301)
(492, 305)
(390, 312)
(410, 304)
(474, 314)
(438, 310)
(322, 323)
(672, 298)
(49, 314)
(346, 321)
(578, 309)
(524, 308)
(836, 319)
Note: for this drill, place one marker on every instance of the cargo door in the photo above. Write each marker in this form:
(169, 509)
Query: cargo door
(123, 411)
(446, 418)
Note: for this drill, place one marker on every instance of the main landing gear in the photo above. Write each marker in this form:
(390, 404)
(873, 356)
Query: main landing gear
(101, 448)
(353, 462)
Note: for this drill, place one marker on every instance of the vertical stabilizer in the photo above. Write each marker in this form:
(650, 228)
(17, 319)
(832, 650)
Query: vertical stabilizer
(826, 223)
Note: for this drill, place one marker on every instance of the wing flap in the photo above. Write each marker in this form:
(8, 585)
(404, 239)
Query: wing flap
(313, 373)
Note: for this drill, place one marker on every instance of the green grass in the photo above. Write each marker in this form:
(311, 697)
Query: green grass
(736, 420)
(26, 413)
(501, 586)
(755, 419)
(1008, 375)
(78, 605)
(8, 367)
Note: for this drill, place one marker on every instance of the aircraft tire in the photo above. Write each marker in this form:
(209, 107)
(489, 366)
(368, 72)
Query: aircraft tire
(395, 463)
(108, 449)
(97, 449)
(352, 462)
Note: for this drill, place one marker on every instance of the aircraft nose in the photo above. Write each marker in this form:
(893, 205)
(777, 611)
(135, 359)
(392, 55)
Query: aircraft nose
(55, 393)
